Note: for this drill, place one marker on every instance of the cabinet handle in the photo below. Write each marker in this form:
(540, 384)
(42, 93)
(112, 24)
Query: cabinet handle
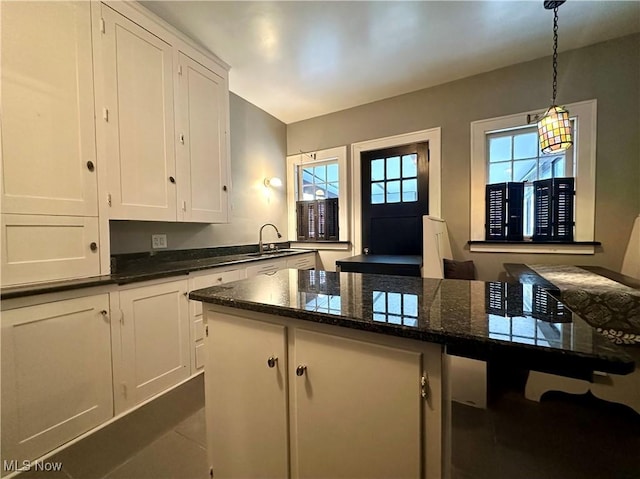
(224, 188)
(90, 165)
(172, 179)
(300, 370)
(271, 362)
(93, 246)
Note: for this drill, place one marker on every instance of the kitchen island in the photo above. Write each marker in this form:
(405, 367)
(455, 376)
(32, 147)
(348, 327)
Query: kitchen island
(320, 374)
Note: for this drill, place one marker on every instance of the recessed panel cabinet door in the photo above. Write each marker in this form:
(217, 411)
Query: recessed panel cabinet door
(139, 121)
(56, 374)
(202, 152)
(356, 409)
(246, 398)
(155, 339)
(48, 131)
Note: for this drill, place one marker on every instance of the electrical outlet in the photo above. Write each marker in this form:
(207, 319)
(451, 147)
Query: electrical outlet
(158, 241)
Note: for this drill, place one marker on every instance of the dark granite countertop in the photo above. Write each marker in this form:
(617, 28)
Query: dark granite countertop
(472, 318)
(138, 267)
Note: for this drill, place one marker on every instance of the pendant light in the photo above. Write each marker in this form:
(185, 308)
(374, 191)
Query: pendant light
(554, 128)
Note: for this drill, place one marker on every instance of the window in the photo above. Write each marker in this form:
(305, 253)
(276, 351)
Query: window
(514, 155)
(506, 149)
(317, 196)
(394, 179)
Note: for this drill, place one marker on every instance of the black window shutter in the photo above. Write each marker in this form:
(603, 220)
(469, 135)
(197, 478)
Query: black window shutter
(553, 214)
(515, 207)
(542, 197)
(317, 220)
(331, 219)
(563, 197)
(503, 211)
(496, 211)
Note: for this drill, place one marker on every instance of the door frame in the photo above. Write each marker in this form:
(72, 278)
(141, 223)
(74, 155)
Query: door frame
(432, 136)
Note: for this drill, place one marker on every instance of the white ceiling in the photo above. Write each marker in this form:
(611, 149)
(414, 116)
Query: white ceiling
(301, 59)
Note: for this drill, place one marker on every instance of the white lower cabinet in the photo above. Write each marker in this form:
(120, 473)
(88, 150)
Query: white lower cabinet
(266, 267)
(153, 351)
(286, 399)
(198, 281)
(56, 374)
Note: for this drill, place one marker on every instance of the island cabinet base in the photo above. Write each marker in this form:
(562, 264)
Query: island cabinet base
(292, 398)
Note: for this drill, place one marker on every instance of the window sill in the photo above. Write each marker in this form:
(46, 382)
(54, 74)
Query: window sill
(533, 247)
(322, 245)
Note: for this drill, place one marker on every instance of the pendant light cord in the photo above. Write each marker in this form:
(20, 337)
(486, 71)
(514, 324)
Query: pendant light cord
(555, 54)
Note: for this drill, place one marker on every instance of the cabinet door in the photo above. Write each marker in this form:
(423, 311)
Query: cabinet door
(139, 121)
(47, 109)
(155, 339)
(202, 157)
(56, 374)
(246, 404)
(46, 248)
(195, 311)
(374, 390)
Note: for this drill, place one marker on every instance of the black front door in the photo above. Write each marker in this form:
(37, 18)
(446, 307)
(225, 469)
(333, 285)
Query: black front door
(395, 196)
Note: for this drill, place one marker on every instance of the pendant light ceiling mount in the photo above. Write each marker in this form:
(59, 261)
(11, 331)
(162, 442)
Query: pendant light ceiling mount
(554, 128)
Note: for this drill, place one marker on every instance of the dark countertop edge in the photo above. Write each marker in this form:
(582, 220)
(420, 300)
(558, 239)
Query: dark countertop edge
(569, 243)
(20, 291)
(390, 259)
(551, 360)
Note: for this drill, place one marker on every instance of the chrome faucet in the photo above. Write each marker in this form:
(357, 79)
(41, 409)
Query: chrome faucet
(260, 245)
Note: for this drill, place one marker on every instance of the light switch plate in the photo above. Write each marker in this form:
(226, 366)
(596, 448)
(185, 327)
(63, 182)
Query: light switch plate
(158, 241)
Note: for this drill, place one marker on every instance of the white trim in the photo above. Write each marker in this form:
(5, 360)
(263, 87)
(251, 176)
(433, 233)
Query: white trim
(585, 115)
(338, 153)
(532, 248)
(432, 136)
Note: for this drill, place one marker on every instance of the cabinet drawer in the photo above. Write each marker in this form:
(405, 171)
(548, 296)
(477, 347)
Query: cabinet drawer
(45, 248)
(302, 262)
(198, 329)
(211, 279)
(199, 364)
(266, 267)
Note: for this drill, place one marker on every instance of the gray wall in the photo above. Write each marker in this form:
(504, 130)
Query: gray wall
(608, 72)
(258, 150)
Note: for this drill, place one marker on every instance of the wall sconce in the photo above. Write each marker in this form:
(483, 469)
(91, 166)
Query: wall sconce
(274, 182)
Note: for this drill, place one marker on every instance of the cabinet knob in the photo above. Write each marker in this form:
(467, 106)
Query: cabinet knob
(224, 188)
(172, 179)
(103, 312)
(271, 362)
(90, 166)
(300, 370)
(93, 246)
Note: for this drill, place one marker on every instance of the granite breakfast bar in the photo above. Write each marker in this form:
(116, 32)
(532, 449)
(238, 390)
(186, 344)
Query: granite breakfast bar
(320, 374)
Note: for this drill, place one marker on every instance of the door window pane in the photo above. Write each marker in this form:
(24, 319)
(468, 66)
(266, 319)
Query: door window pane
(393, 167)
(377, 193)
(393, 192)
(377, 170)
(409, 190)
(409, 166)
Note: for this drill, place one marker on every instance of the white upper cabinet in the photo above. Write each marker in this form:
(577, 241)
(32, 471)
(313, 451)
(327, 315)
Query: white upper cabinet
(48, 131)
(164, 164)
(138, 118)
(203, 105)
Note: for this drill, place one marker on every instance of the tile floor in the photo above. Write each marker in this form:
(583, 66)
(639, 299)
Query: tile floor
(563, 437)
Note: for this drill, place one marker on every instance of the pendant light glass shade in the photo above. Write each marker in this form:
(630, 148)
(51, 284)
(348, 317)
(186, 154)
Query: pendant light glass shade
(554, 130)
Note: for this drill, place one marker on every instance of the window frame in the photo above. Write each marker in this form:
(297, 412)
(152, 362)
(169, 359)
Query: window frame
(584, 115)
(338, 154)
